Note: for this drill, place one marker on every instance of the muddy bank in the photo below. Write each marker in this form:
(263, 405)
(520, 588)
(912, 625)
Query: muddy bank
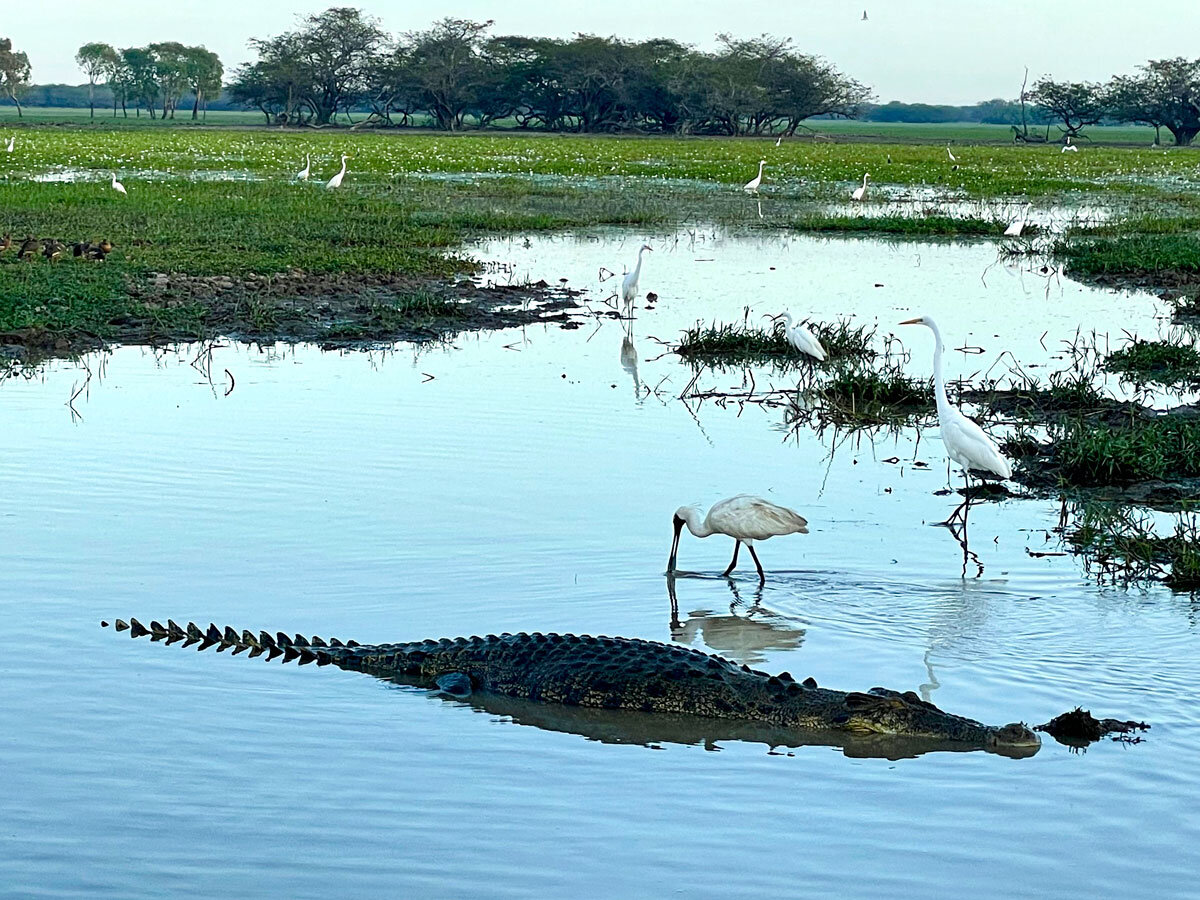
(332, 310)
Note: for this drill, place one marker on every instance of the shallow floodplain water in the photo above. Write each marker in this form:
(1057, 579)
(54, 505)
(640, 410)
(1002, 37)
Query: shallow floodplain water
(520, 481)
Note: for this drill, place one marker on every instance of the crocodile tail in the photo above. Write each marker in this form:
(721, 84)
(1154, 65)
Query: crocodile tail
(299, 649)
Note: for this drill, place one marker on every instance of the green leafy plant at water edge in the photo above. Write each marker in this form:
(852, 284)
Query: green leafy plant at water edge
(1158, 362)
(1131, 255)
(1095, 454)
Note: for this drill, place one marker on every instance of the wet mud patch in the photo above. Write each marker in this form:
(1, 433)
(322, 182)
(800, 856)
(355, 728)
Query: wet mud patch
(332, 310)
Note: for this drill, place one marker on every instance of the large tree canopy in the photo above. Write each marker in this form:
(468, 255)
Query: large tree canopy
(454, 72)
(1164, 94)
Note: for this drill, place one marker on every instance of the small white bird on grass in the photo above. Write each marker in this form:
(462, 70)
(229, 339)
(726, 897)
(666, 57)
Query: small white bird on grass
(1069, 146)
(966, 443)
(303, 174)
(1018, 225)
(745, 518)
(751, 186)
(860, 193)
(336, 180)
(117, 186)
(629, 284)
(800, 337)
(12, 144)
(953, 158)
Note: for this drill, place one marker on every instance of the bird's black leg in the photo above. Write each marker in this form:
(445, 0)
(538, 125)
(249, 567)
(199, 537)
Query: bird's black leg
(762, 576)
(737, 545)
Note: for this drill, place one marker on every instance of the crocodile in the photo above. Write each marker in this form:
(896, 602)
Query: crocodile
(614, 673)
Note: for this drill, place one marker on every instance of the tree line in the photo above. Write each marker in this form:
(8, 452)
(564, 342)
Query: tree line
(341, 59)
(152, 77)
(1163, 93)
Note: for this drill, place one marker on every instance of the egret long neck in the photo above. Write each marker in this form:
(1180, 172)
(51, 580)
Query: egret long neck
(939, 383)
(637, 270)
(760, 167)
(343, 172)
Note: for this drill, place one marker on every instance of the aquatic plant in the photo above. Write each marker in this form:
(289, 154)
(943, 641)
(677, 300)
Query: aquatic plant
(1168, 362)
(1123, 544)
(1089, 454)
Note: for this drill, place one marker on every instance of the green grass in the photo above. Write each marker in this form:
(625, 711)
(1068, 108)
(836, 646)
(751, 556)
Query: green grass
(745, 344)
(224, 201)
(1171, 362)
(861, 396)
(1093, 454)
(1171, 254)
(905, 225)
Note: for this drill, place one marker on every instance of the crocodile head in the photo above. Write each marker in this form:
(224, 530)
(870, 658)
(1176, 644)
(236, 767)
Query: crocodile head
(883, 711)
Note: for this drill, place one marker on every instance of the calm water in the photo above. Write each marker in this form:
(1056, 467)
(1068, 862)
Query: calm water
(529, 485)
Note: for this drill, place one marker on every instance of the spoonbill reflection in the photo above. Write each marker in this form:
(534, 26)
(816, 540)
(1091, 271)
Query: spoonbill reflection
(745, 518)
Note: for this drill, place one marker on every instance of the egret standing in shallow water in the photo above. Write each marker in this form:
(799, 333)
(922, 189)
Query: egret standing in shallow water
(116, 185)
(307, 170)
(966, 443)
(860, 193)
(745, 518)
(1018, 225)
(336, 180)
(629, 284)
(751, 186)
(800, 337)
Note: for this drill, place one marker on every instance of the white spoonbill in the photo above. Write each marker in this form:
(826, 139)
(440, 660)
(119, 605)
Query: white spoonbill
(860, 193)
(306, 171)
(751, 186)
(336, 180)
(12, 143)
(745, 518)
(1015, 227)
(629, 284)
(800, 337)
(117, 186)
(966, 443)
(953, 158)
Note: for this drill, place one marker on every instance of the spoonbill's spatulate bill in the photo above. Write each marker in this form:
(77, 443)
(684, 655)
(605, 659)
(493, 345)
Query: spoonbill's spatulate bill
(745, 518)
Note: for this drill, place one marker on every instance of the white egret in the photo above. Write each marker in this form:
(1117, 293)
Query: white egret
(12, 143)
(1015, 227)
(953, 158)
(751, 186)
(745, 518)
(966, 443)
(1069, 146)
(860, 193)
(336, 180)
(629, 284)
(117, 186)
(306, 171)
(779, 140)
(800, 337)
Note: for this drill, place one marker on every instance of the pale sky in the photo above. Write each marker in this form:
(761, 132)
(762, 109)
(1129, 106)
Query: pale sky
(936, 51)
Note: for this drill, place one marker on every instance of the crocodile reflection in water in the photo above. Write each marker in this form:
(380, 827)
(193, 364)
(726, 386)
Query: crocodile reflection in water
(739, 637)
